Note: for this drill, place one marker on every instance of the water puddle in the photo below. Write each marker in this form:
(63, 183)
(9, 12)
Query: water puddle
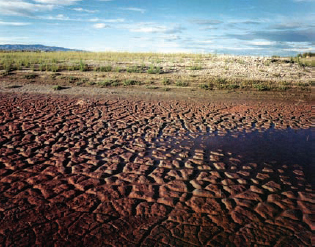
(277, 147)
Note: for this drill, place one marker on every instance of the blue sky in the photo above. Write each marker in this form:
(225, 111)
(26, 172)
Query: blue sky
(242, 27)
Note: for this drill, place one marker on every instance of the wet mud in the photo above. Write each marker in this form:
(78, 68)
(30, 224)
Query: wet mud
(122, 172)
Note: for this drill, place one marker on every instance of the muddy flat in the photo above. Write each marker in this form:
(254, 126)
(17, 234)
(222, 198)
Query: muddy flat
(109, 171)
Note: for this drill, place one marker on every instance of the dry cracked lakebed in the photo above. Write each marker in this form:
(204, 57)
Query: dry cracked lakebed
(107, 172)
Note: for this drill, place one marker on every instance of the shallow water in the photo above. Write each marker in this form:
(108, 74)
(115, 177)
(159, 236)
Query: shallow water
(277, 147)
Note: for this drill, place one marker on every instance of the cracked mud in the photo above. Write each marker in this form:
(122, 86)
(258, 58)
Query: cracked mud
(82, 172)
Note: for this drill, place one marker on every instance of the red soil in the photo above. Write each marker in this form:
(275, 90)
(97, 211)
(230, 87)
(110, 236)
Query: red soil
(83, 172)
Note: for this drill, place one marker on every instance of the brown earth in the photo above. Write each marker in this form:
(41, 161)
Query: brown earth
(109, 171)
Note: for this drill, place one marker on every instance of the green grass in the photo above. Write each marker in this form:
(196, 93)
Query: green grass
(133, 69)
(182, 84)
(195, 67)
(151, 87)
(57, 87)
(91, 83)
(306, 54)
(232, 86)
(72, 79)
(78, 60)
(166, 81)
(129, 82)
(115, 84)
(154, 70)
(30, 76)
(83, 66)
(105, 83)
(262, 87)
(107, 68)
(205, 86)
(53, 68)
(118, 69)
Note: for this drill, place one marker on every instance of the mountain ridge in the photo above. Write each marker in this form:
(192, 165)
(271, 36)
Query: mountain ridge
(34, 47)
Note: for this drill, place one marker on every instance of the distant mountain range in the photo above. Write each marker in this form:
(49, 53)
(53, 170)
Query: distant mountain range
(18, 47)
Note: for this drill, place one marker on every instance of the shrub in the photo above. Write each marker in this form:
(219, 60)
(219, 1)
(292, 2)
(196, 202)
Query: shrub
(232, 86)
(83, 66)
(151, 87)
(262, 87)
(84, 80)
(73, 67)
(154, 70)
(104, 68)
(166, 81)
(133, 69)
(303, 84)
(204, 86)
(267, 63)
(57, 87)
(221, 83)
(42, 67)
(128, 82)
(181, 84)
(117, 69)
(30, 76)
(306, 54)
(283, 87)
(115, 84)
(55, 68)
(8, 67)
(221, 80)
(196, 67)
(105, 83)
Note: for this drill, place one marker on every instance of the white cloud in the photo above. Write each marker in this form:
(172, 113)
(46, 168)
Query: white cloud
(134, 9)
(154, 28)
(100, 25)
(84, 10)
(149, 29)
(171, 37)
(58, 2)
(107, 20)
(59, 17)
(6, 23)
(262, 42)
(299, 50)
(206, 41)
(206, 22)
(22, 8)
(27, 8)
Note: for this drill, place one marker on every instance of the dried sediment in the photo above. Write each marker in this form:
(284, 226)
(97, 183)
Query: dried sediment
(114, 172)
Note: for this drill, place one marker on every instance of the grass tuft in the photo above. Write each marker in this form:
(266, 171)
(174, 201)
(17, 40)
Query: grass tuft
(154, 70)
(182, 84)
(166, 81)
(195, 67)
(262, 87)
(57, 87)
(30, 76)
(129, 82)
(133, 69)
(107, 68)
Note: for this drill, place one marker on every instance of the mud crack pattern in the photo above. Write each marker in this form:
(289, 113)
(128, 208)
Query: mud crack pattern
(80, 172)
